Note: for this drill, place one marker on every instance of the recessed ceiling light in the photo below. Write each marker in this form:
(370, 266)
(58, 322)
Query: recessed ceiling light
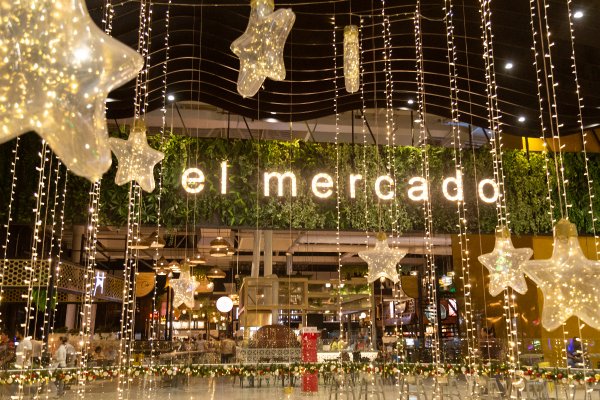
(508, 65)
(273, 113)
(418, 120)
(271, 120)
(522, 119)
(410, 101)
(578, 14)
(170, 97)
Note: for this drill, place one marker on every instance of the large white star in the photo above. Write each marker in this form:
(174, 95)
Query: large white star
(382, 260)
(136, 158)
(183, 290)
(260, 48)
(56, 69)
(504, 264)
(569, 281)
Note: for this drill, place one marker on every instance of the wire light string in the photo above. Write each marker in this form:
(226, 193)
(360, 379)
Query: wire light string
(13, 185)
(459, 174)
(430, 275)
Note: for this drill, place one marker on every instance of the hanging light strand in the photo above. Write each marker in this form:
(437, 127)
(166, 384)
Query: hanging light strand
(495, 125)
(459, 175)
(13, 185)
(59, 250)
(430, 273)
(337, 181)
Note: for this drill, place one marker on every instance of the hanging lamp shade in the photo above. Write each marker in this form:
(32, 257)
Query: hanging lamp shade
(162, 263)
(198, 259)
(204, 285)
(215, 273)
(161, 271)
(222, 252)
(219, 243)
(140, 244)
(156, 241)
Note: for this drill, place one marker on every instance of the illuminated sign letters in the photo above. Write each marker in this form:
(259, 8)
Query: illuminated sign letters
(323, 187)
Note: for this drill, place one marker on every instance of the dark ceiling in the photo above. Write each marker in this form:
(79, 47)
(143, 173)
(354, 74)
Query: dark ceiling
(201, 67)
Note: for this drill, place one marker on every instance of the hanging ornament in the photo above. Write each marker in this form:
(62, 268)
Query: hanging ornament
(504, 264)
(260, 48)
(569, 281)
(351, 59)
(56, 70)
(382, 260)
(136, 158)
(183, 289)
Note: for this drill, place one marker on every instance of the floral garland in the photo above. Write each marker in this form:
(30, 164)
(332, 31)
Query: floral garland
(267, 371)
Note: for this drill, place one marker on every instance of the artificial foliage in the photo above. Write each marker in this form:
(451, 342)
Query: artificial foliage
(242, 206)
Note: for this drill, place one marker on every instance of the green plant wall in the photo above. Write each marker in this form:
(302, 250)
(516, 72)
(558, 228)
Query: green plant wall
(526, 187)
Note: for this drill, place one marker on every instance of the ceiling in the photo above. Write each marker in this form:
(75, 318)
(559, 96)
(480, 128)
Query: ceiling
(201, 67)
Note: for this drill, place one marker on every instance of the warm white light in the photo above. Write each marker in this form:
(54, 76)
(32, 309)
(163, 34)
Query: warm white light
(192, 180)
(480, 189)
(224, 177)
(410, 101)
(351, 59)
(384, 196)
(280, 177)
(508, 65)
(260, 48)
(362, 315)
(578, 14)
(420, 192)
(457, 182)
(321, 185)
(522, 119)
(224, 304)
(353, 179)
(170, 97)
(271, 120)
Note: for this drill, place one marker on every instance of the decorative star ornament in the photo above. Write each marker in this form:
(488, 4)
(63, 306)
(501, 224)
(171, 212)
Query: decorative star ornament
(260, 48)
(183, 289)
(136, 158)
(56, 70)
(569, 281)
(504, 264)
(382, 260)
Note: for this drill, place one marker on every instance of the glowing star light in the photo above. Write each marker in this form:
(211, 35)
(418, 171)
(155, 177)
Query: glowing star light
(183, 289)
(260, 48)
(568, 280)
(504, 264)
(136, 158)
(56, 70)
(382, 260)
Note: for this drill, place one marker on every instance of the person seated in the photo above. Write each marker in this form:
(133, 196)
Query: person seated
(575, 353)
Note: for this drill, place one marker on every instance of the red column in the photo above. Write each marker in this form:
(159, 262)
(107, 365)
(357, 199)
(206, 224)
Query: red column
(310, 382)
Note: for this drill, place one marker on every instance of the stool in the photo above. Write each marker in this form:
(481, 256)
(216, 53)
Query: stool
(371, 384)
(341, 385)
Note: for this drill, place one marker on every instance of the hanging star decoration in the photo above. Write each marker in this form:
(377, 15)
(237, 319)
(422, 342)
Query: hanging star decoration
(382, 260)
(56, 70)
(569, 281)
(136, 158)
(183, 288)
(260, 48)
(504, 264)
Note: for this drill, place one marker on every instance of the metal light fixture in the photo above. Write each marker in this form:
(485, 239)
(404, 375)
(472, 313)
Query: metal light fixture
(215, 273)
(198, 259)
(140, 244)
(219, 243)
(221, 252)
(156, 241)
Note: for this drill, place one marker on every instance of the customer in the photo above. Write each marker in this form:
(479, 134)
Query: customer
(575, 353)
(227, 350)
(60, 361)
(23, 351)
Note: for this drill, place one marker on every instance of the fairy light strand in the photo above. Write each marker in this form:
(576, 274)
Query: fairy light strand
(337, 182)
(461, 211)
(495, 122)
(13, 185)
(431, 283)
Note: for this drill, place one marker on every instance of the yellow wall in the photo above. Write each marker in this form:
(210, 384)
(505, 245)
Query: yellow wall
(529, 305)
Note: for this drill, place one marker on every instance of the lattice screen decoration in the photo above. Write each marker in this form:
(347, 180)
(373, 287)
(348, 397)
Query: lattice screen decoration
(106, 287)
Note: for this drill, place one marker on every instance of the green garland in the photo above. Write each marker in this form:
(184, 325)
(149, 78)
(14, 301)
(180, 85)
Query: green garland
(268, 371)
